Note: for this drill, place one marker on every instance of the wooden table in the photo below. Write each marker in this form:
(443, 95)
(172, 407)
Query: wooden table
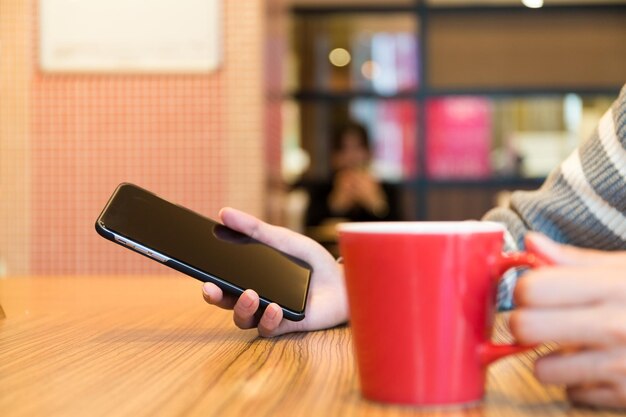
(150, 346)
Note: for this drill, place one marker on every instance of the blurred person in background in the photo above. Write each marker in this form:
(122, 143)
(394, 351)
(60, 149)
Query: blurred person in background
(352, 193)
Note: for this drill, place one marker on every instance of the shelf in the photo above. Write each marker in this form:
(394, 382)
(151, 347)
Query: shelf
(538, 91)
(494, 182)
(351, 9)
(503, 182)
(511, 8)
(309, 95)
(348, 95)
(420, 8)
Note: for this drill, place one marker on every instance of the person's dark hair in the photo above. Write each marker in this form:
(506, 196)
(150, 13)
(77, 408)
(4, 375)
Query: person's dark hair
(351, 127)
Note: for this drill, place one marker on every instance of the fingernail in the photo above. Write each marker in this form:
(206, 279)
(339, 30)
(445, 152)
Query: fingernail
(246, 300)
(206, 295)
(271, 312)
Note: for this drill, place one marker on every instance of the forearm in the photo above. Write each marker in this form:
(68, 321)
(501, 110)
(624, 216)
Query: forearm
(582, 202)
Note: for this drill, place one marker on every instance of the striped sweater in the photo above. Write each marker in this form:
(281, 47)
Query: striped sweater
(582, 202)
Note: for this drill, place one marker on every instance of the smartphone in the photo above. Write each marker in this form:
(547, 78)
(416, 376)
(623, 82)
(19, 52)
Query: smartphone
(204, 249)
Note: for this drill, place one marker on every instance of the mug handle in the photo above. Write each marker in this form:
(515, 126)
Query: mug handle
(488, 351)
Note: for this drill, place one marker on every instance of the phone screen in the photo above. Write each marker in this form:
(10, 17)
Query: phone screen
(208, 246)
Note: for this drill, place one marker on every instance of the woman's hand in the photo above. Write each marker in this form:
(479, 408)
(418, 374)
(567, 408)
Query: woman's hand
(357, 187)
(343, 196)
(327, 305)
(371, 195)
(580, 303)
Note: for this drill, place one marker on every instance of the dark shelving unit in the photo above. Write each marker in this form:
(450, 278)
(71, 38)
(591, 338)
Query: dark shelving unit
(425, 14)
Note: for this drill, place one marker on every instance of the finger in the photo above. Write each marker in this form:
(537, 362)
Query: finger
(597, 396)
(214, 295)
(251, 226)
(270, 321)
(559, 254)
(563, 286)
(577, 368)
(587, 326)
(278, 237)
(245, 309)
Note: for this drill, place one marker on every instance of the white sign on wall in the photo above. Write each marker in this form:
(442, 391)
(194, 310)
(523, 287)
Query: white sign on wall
(130, 35)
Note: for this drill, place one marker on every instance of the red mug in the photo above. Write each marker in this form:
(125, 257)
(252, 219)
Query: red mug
(422, 303)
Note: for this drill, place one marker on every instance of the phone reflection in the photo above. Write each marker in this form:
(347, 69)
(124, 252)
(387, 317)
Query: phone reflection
(226, 234)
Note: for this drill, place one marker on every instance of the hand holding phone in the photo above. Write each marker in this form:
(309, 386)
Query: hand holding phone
(327, 304)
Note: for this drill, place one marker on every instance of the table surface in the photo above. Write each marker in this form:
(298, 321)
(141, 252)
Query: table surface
(150, 346)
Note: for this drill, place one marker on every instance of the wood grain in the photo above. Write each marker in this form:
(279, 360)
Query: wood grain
(150, 346)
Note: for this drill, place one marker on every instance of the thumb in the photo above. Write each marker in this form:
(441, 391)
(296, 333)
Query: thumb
(560, 254)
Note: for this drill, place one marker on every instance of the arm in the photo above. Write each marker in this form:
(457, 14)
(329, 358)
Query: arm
(582, 202)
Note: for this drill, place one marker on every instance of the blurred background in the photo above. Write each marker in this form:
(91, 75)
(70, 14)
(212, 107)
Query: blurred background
(221, 102)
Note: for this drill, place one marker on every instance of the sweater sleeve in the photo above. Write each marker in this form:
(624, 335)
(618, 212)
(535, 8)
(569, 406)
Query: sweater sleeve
(582, 202)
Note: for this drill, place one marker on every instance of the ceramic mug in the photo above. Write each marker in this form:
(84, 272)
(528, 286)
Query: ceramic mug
(422, 305)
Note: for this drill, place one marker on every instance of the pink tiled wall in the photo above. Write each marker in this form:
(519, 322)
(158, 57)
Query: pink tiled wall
(90, 134)
(195, 139)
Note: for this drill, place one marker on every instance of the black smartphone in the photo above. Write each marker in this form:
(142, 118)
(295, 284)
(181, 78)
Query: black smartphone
(204, 249)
